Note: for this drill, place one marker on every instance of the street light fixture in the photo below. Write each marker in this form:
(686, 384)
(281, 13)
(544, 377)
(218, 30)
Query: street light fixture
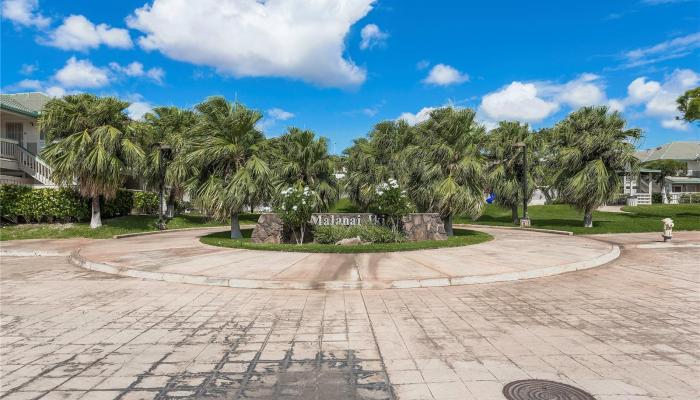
(525, 220)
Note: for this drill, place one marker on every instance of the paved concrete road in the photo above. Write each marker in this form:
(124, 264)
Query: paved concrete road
(628, 330)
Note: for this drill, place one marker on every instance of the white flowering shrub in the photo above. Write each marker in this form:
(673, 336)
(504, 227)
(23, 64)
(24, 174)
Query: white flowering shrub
(295, 205)
(392, 202)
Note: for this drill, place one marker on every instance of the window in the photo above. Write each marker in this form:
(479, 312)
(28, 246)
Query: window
(677, 188)
(13, 131)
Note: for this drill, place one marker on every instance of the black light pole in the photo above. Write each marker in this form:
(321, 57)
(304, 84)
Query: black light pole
(162, 150)
(525, 220)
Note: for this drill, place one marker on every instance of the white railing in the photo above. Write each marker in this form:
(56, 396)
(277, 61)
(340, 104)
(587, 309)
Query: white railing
(643, 198)
(33, 165)
(683, 197)
(8, 149)
(26, 161)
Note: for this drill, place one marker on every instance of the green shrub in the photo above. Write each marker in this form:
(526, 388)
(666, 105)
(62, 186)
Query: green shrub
(121, 204)
(146, 202)
(656, 198)
(329, 234)
(25, 204)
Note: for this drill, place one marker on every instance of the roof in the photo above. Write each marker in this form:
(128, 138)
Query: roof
(683, 179)
(681, 151)
(29, 104)
(649, 170)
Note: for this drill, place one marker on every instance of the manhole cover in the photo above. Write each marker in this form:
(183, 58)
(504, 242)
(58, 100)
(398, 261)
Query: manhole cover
(537, 389)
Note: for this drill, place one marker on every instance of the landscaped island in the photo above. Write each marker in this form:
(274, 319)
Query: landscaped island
(462, 237)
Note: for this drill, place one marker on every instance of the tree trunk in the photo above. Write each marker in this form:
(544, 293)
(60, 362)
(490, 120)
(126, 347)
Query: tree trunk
(547, 196)
(664, 198)
(514, 213)
(448, 226)
(170, 210)
(588, 218)
(96, 220)
(235, 226)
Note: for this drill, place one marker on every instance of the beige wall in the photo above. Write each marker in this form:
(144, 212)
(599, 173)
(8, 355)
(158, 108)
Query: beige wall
(31, 138)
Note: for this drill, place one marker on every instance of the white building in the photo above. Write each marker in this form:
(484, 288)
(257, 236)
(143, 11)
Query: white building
(675, 188)
(20, 140)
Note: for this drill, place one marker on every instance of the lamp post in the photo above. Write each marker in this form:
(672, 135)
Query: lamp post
(163, 153)
(525, 220)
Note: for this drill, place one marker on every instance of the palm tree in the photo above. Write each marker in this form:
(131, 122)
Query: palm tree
(506, 172)
(225, 152)
(301, 158)
(376, 159)
(446, 165)
(592, 149)
(91, 143)
(167, 126)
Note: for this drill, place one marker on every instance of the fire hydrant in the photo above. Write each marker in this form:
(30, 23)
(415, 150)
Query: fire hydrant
(668, 228)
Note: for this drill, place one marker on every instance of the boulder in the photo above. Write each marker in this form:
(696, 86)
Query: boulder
(424, 226)
(349, 241)
(269, 229)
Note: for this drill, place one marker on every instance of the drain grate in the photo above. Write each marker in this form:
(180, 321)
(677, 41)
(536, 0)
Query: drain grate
(538, 389)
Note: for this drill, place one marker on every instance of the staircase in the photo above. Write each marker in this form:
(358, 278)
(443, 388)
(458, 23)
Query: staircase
(17, 157)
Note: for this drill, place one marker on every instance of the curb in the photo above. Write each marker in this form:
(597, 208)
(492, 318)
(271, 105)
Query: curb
(78, 260)
(552, 231)
(148, 233)
(33, 253)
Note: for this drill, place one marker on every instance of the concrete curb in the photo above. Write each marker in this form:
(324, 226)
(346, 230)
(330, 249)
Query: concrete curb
(33, 253)
(80, 261)
(552, 231)
(148, 233)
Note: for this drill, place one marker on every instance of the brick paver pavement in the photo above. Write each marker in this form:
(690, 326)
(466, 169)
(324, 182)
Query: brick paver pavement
(629, 330)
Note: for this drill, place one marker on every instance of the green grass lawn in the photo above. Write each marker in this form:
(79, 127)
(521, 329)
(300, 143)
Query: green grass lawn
(110, 227)
(463, 237)
(563, 217)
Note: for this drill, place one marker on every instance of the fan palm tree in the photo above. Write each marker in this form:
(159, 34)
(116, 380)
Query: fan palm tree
(301, 158)
(446, 165)
(506, 172)
(376, 159)
(592, 149)
(91, 143)
(167, 126)
(225, 152)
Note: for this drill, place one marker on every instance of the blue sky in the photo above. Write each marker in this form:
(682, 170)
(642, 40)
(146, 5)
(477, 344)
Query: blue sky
(338, 67)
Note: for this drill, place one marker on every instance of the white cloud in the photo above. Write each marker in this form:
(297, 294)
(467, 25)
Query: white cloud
(517, 101)
(372, 36)
(29, 84)
(675, 124)
(616, 105)
(640, 90)
(138, 109)
(418, 117)
(663, 103)
(279, 114)
(580, 92)
(444, 75)
(136, 69)
(81, 74)
(675, 48)
(56, 91)
(247, 38)
(28, 69)
(79, 33)
(24, 13)
(422, 64)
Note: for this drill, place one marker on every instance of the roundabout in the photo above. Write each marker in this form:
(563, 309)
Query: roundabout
(181, 257)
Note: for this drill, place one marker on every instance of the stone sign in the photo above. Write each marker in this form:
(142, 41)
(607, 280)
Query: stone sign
(418, 226)
(345, 219)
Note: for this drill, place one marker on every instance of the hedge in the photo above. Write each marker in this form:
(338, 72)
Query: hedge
(328, 234)
(26, 204)
(146, 202)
